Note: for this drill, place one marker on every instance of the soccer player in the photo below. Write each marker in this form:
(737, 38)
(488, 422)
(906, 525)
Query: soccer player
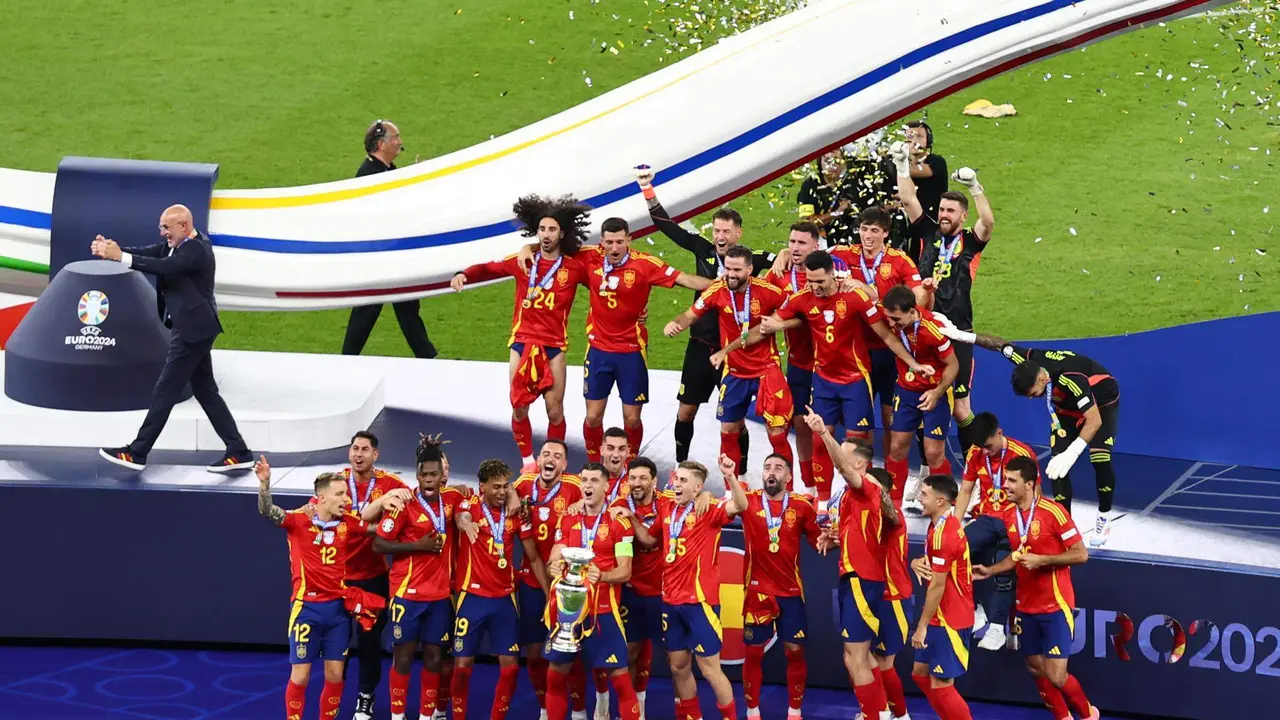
(949, 262)
(857, 517)
(773, 527)
(919, 401)
(320, 539)
(691, 582)
(942, 634)
(984, 472)
(421, 611)
(545, 289)
(604, 646)
(897, 604)
(1045, 545)
(642, 595)
(741, 302)
(615, 452)
(1083, 400)
(547, 496)
(486, 602)
(698, 378)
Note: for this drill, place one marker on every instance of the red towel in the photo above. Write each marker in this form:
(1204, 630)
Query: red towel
(364, 606)
(533, 376)
(773, 399)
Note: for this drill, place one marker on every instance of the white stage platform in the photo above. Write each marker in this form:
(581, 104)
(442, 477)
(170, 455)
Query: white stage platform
(283, 402)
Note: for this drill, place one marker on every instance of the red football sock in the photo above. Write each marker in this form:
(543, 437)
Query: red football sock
(557, 695)
(943, 468)
(445, 697)
(399, 687)
(1074, 694)
(1053, 699)
(643, 660)
(729, 446)
(628, 703)
(594, 438)
(578, 686)
(925, 683)
(866, 695)
(635, 438)
(952, 705)
(806, 470)
(797, 677)
(753, 676)
(523, 433)
(823, 470)
(894, 692)
(557, 431)
(459, 688)
(330, 700)
(782, 445)
(688, 709)
(429, 694)
(295, 700)
(538, 679)
(727, 712)
(898, 470)
(601, 677)
(507, 676)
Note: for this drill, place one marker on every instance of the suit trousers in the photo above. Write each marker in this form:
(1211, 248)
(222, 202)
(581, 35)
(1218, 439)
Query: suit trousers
(188, 363)
(364, 317)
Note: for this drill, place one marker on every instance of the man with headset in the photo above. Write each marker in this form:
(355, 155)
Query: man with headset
(382, 145)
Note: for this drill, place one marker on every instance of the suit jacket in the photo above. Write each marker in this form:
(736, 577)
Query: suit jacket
(184, 284)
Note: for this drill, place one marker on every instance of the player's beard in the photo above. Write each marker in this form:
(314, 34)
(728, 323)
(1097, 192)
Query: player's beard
(946, 227)
(735, 283)
(772, 486)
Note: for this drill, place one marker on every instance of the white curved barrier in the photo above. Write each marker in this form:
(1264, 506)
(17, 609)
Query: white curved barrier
(715, 124)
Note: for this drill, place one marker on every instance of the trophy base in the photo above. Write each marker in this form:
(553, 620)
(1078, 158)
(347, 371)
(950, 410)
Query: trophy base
(565, 646)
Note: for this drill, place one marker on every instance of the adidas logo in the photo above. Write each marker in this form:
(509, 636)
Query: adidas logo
(611, 659)
(1055, 651)
(641, 398)
(699, 648)
(937, 431)
(937, 669)
(799, 635)
(863, 423)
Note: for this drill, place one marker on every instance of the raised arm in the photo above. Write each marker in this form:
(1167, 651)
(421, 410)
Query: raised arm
(986, 219)
(737, 495)
(842, 464)
(900, 153)
(691, 241)
(266, 508)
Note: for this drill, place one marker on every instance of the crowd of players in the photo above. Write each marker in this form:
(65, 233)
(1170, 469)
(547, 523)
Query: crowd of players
(860, 323)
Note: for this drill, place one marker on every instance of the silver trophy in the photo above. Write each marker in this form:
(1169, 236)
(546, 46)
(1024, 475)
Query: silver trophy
(571, 601)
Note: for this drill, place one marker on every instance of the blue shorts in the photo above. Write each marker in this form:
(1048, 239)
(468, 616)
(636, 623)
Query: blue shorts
(791, 625)
(552, 352)
(641, 615)
(604, 647)
(895, 626)
(884, 375)
(428, 622)
(848, 406)
(801, 383)
(533, 604)
(908, 418)
(985, 534)
(477, 616)
(318, 630)
(736, 395)
(860, 602)
(628, 371)
(946, 651)
(1047, 634)
(694, 627)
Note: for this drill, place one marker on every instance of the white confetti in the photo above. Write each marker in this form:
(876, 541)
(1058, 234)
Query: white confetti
(1217, 247)
(588, 80)
(1047, 76)
(1157, 278)
(1067, 77)
(570, 14)
(1071, 230)
(1086, 272)
(1039, 239)
(1240, 278)
(650, 240)
(1260, 251)
(1265, 210)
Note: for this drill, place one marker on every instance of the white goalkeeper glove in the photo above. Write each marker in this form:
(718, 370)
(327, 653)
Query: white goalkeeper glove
(963, 336)
(900, 152)
(1060, 464)
(968, 177)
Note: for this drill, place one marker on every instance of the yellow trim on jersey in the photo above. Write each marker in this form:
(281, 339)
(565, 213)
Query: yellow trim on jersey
(293, 615)
(864, 609)
(617, 617)
(404, 586)
(958, 647)
(1070, 384)
(712, 618)
(901, 616)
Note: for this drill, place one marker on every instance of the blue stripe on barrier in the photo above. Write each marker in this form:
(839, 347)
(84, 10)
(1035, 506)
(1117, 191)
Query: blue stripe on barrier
(24, 218)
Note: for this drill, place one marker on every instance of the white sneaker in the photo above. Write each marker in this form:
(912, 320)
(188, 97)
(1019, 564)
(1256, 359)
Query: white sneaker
(640, 698)
(994, 639)
(440, 715)
(542, 715)
(912, 492)
(602, 706)
(1101, 531)
(578, 715)
(979, 619)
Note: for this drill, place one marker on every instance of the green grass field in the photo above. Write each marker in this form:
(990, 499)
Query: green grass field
(1167, 191)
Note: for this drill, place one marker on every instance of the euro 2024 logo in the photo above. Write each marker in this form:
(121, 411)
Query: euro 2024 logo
(92, 311)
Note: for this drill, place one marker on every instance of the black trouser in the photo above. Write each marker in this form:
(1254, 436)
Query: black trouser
(364, 317)
(188, 363)
(1100, 449)
(369, 642)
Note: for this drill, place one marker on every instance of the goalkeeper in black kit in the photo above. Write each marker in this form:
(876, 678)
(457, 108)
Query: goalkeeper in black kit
(1083, 402)
(699, 379)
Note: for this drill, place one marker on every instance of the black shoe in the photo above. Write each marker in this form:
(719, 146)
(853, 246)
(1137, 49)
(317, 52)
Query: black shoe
(122, 457)
(364, 707)
(232, 462)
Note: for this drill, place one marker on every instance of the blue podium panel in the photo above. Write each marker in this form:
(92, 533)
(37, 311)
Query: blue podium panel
(122, 200)
(93, 341)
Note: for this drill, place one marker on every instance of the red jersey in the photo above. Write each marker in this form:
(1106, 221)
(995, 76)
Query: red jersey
(487, 566)
(613, 539)
(543, 318)
(1050, 531)
(987, 475)
(948, 554)
(897, 584)
(799, 339)
(858, 521)
(319, 569)
(692, 576)
(544, 514)
(837, 325)
(777, 573)
(646, 566)
(759, 299)
(928, 346)
(884, 272)
(424, 576)
(613, 325)
(364, 563)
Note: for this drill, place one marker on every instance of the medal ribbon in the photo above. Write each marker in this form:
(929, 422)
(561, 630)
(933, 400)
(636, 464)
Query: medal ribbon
(545, 282)
(326, 529)
(1054, 425)
(609, 268)
(589, 534)
(946, 253)
(915, 336)
(770, 521)
(677, 520)
(437, 518)
(743, 316)
(1024, 523)
(555, 490)
(870, 275)
(795, 281)
(613, 494)
(496, 529)
(631, 503)
(997, 475)
(368, 491)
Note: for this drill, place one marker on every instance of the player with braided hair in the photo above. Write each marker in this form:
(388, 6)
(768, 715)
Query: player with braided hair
(544, 295)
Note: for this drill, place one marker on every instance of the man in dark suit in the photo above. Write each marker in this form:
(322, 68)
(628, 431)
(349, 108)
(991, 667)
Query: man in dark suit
(382, 146)
(184, 269)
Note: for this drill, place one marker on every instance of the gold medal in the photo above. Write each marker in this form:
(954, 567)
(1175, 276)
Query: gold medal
(910, 376)
(1062, 432)
(1016, 555)
(502, 563)
(671, 557)
(526, 304)
(773, 547)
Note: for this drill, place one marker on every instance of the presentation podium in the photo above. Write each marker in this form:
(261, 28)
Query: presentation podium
(93, 342)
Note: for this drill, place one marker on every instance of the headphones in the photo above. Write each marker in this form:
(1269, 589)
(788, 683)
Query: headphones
(928, 132)
(375, 134)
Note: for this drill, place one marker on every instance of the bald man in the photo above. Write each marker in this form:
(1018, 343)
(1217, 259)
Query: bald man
(184, 267)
